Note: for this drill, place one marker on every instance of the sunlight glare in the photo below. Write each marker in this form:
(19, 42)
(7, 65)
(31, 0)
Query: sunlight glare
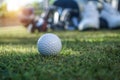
(13, 5)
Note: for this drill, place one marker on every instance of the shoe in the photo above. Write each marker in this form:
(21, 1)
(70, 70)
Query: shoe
(111, 15)
(90, 17)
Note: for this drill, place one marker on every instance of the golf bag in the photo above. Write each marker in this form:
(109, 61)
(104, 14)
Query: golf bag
(29, 20)
(64, 15)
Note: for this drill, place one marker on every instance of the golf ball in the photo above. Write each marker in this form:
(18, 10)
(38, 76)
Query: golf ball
(49, 44)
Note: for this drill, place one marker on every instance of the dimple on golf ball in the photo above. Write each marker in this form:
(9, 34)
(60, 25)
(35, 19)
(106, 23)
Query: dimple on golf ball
(49, 44)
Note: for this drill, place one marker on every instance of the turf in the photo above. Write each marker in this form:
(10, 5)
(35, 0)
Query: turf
(87, 55)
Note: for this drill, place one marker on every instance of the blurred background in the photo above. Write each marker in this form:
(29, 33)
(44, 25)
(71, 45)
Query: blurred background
(9, 9)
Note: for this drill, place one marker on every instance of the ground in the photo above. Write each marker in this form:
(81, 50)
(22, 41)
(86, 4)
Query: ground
(87, 55)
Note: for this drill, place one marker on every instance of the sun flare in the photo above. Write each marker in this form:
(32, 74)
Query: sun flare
(14, 5)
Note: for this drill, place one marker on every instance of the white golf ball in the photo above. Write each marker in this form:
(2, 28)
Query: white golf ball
(49, 44)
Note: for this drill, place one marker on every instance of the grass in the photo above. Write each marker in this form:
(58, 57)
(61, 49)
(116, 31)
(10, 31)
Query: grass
(88, 55)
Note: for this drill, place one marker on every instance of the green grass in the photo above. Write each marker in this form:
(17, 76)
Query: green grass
(88, 55)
